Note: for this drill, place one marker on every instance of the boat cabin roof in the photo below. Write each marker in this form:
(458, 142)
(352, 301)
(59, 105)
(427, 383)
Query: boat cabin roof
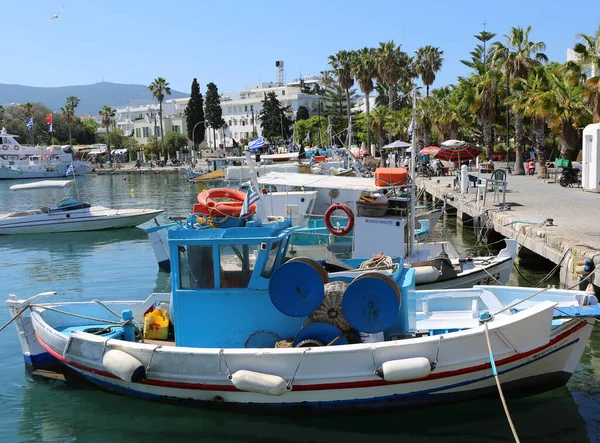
(320, 181)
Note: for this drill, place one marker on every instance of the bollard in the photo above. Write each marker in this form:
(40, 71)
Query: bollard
(464, 179)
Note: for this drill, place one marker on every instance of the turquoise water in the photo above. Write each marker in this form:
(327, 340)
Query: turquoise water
(120, 264)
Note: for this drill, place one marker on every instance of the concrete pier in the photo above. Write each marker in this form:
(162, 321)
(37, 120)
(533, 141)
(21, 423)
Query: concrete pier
(572, 233)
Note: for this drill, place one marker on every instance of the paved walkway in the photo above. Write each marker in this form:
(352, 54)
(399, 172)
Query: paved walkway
(575, 231)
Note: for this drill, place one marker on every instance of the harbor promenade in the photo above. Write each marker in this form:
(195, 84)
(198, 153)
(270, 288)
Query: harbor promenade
(559, 224)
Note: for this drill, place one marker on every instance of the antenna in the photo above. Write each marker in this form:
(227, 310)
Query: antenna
(280, 74)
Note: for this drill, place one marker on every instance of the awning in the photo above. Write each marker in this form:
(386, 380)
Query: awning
(319, 181)
(397, 144)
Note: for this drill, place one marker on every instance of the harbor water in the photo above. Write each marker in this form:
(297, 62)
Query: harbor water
(120, 265)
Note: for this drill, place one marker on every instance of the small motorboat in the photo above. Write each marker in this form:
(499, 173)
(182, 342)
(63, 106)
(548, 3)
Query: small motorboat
(70, 214)
(244, 328)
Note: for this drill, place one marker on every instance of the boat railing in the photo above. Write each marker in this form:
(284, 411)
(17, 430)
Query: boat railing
(130, 204)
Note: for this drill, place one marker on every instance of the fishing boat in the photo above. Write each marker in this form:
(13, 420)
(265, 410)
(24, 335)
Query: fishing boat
(244, 328)
(69, 214)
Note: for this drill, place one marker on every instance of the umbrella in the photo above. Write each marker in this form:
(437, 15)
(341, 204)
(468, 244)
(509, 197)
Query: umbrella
(456, 150)
(430, 150)
(397, 144)
(363, 152)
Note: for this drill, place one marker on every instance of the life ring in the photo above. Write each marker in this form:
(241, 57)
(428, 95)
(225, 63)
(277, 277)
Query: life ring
(329, 213)
(5, 147)
(16, 148)
(208, 206)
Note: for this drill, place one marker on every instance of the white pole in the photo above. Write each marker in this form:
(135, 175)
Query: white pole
(413, 193)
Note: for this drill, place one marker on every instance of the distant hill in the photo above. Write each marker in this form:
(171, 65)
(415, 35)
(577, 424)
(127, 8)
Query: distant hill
(92, 97)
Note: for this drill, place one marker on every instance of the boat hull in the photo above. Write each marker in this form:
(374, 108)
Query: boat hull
(527, 352)
(21, 172)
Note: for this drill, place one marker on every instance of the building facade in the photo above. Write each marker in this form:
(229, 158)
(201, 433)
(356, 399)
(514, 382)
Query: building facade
(589, 70)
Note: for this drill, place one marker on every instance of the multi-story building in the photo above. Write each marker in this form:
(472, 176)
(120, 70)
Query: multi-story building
(589, 70)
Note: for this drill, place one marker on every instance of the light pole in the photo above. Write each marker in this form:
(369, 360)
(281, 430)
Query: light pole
(194, 133)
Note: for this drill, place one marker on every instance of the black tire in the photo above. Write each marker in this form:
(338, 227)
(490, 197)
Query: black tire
(564, 181)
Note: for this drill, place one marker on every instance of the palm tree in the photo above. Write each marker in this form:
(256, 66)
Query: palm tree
(588, 51)
(363, 68)
(342, 69)
(326, 79)
(159, 87)
(448, 119)
(517, 58)
(428, 61)
(107, 114)
(1, 114)
(28, 109)
(379, 118)
(390, 62)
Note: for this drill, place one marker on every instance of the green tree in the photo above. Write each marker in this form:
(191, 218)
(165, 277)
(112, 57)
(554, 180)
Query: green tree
(341, 64)
(302, 113)
(390, 62)
(194, 115)
(428, 61)
(517, 58)
(274, 121)
(588, 51)
(1, 115)
(28, 109)
(175, 142)
(107, 114)
(213, 111)
(364, 69)
(159, 87)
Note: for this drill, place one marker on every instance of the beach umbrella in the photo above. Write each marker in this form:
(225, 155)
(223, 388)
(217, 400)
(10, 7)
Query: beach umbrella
(430, 150)
(397, 144)
(456, 150)
(362, 152)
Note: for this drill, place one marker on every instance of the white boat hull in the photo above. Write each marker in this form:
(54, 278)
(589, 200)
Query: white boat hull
(529, 356)
(89, 219)
(16, 172)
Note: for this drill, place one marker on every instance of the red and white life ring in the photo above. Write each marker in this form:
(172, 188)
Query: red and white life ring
(329, 213)
(208, 206)
(5, 147)
(16, 148)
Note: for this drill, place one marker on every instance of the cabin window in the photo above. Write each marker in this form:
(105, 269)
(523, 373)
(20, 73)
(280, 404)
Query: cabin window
(268, 270)
(196, 270)
(237, 264)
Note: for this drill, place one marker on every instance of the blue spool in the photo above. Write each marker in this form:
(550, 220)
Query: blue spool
(371, 303)
(322, 332)
(297, 288)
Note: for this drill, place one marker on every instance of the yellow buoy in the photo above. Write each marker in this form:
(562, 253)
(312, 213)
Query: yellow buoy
(133, 192)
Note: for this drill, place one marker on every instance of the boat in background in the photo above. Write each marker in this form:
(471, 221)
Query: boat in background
(69, 214)
(253, 331)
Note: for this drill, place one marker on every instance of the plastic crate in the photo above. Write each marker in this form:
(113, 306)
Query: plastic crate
(562, 162)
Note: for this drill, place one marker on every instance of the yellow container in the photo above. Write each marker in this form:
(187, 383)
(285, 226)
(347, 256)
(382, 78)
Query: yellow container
(156, 325)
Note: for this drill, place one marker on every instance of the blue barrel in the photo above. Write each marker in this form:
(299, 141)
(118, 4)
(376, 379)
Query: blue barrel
(371, 303)
(321, 332)
(297, 287)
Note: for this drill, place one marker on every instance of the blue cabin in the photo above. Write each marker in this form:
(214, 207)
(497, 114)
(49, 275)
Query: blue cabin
(220, 285)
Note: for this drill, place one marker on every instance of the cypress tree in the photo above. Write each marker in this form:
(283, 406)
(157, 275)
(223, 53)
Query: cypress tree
(194, 113)
(213, 111)
(273, 120)
(302, 113)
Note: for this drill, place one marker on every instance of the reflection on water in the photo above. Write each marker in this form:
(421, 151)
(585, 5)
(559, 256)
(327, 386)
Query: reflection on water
(120, 264)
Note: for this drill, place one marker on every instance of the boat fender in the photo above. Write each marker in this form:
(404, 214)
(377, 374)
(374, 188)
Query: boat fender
(258, 382)
(426, 274)
(124, 366)
(404, 369)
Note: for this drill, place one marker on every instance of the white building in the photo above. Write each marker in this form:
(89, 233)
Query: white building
(589, 70)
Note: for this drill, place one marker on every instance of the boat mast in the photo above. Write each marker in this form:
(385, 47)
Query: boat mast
(413, 148)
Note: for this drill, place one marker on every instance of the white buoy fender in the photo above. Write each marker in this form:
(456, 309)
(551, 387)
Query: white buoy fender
(426, 274)
(405, 369)
(124, 366)
(259, 383)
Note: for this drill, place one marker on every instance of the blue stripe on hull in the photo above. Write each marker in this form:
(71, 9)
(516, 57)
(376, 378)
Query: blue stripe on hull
(42, 361)
(520, 388)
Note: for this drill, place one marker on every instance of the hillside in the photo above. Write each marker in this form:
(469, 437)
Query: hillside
(92, 97)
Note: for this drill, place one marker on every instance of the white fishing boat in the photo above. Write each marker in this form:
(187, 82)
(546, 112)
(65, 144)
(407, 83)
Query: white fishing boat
(249, 331)
(69, 214)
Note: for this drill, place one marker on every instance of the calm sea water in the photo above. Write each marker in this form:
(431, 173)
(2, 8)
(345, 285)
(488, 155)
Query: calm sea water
(120, 264)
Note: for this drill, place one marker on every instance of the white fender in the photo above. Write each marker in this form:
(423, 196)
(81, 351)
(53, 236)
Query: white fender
(124, 366)
(259, 383)
(426, 274)
(404, 369)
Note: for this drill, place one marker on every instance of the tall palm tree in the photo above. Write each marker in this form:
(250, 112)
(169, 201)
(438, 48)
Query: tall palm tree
(28, 110)
(363, 68)
(341, 63)
(1, 114)
(588, 51)
(428, 61)
(390, 62)
(107, 114)
(68, 113)
(517, 58)
(379, 118)
(326, 78)
(159, 87)
(448, 118)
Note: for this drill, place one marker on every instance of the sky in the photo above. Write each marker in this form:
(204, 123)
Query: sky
(232, 43)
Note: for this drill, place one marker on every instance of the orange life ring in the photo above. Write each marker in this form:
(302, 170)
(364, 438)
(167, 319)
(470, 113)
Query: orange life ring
(329, 213)
(208, 206)
(5, 147)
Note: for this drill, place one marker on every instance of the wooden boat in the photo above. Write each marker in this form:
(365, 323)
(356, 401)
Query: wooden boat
(250, 331)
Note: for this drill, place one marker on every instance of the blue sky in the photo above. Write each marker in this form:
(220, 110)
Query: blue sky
(235, 42)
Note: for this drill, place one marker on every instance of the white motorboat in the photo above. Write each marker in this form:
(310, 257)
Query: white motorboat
(70, 214)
